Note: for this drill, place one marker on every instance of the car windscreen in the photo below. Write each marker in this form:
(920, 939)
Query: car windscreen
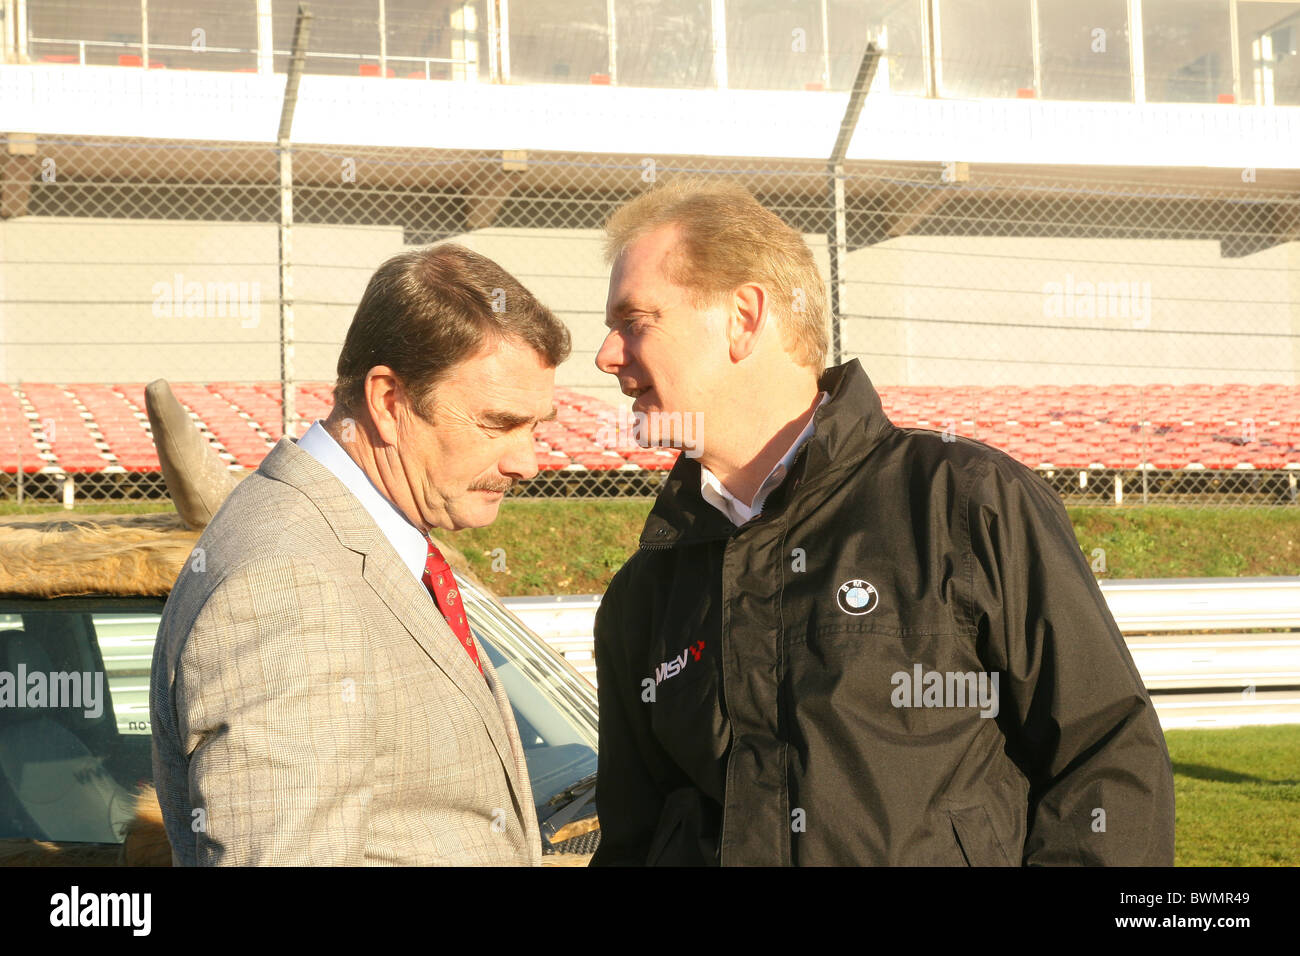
(553, 705)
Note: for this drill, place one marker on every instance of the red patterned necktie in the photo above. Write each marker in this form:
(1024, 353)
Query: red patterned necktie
(442, 585)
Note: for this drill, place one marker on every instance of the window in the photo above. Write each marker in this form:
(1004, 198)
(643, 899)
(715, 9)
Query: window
(111, 32)
(344, 36)
(420, 33)
(554, 727)
(1187, 50)
(558, 41)
(1269, 53)
(895, 27)
(775, 45)
(1084, 50)
(203, 35)
(664, 43)
(984, 48)
(74, 730)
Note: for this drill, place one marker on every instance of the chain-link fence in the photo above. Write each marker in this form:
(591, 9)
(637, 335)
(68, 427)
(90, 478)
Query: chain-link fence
(1135, 337)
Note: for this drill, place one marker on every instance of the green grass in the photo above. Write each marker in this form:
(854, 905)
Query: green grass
(554, 547)
(1237, 796)
(567, 547)
(1167, 542)
(574, 547)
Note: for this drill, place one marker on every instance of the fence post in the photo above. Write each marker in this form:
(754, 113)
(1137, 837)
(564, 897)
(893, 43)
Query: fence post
(838, 238)
(20, 453)
(10, 38)
(288, 399)
(1144, 462)
(20, 32)
(265, 39)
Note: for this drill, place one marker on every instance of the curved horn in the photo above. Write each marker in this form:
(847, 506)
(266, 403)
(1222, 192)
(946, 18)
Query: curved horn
(197, 479)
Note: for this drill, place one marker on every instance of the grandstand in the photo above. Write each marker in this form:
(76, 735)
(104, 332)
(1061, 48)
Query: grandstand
(1192, 441)
(1077, 246)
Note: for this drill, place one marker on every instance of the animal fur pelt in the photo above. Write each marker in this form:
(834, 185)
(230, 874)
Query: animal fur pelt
(128, 555)
(48, 556)
(146, 839)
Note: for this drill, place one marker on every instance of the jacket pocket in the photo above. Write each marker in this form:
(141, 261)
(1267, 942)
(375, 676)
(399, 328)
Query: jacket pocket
(979, 844)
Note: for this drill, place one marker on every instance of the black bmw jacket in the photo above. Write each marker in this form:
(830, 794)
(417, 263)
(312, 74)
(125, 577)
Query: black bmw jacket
(806, 689)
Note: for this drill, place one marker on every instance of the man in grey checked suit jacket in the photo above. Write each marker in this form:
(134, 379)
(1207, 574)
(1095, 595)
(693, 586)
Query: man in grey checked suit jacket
(310, 703)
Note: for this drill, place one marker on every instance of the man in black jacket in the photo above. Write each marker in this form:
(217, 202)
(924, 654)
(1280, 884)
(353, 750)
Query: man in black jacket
(840, 642)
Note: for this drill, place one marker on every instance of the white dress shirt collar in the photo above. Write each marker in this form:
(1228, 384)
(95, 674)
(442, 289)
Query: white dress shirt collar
(407, 540)
(737, 512)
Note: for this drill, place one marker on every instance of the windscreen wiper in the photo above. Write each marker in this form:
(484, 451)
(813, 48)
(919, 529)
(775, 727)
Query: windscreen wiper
(574, 812)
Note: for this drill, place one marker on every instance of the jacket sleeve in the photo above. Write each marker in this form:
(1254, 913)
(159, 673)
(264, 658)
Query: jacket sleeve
(272, 701)
(628, 800)
(1078, 720)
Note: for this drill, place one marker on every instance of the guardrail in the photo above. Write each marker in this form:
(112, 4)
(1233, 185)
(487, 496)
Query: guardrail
(1225, 678)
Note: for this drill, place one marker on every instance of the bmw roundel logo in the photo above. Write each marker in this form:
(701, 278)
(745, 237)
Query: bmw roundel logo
(857, 597)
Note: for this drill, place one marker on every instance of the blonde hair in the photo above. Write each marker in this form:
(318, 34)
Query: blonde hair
(727, 240)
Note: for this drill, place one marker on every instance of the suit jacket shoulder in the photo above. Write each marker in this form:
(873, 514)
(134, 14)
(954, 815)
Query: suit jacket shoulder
(309, 699)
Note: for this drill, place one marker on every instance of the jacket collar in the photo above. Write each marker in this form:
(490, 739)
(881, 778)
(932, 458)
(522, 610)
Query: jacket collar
(845, 429)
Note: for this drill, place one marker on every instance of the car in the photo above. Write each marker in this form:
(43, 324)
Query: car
(81, 597)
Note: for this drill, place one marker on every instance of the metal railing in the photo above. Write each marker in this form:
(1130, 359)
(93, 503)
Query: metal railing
(360, 58)
(1219, 679)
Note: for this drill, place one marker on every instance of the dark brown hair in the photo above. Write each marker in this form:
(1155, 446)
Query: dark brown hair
(426, 311)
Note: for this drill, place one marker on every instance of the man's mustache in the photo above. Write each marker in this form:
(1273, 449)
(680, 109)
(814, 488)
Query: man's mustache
(501, 484)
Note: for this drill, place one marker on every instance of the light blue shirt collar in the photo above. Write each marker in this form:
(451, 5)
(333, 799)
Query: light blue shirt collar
(407, 540)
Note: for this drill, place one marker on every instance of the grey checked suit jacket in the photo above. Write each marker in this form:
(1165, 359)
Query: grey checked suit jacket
(311, 706)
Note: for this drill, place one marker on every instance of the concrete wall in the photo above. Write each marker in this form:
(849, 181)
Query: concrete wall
(92, 300)
(1006, 311)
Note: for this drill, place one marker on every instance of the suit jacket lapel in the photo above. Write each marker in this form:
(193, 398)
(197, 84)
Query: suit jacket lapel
(384, 571)
(390, 578)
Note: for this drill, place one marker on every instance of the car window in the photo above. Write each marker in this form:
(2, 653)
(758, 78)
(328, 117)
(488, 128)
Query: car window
(72, 755)
(74, 707)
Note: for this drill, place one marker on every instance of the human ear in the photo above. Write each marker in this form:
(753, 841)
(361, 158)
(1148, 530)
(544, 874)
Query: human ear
(383, 393)
(746, 319)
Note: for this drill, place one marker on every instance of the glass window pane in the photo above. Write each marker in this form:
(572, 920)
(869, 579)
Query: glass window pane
(443, 41)
(112, 31)
(344, 36)
(664, 43)
(557, 748)
(558, 41)
(1084, 50)
(1270, 53)
(775, 45)
(1187, 48)
(203, 35)
(984, 48)
(71, 759)
(895, 26)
